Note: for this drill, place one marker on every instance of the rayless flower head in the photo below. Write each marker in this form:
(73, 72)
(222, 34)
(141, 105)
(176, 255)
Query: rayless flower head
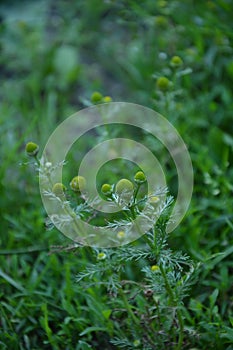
(161, 21)
(121, 235)
(101, 256)
(96, 97)
(163, 84)
(176, 62)
(153, 200)
(154, 268)
(136, 343)
(140, 177)
(106, 189)
(31, 149)
(78, 184)
(59, 189)
(124, 186)
(107, 99)
(124, 190)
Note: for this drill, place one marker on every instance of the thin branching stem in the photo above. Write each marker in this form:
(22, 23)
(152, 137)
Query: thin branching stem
(174, 303)
(128, 308)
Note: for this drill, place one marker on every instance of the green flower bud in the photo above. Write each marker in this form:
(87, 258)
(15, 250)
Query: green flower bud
(58, 189)
(106, 189)
(107, 99)
(121, 235)
(124, 186)
(32, 149)
(96, 97)
(136, 343)
(153, 199)
(154, 268)
(78, 184)
(161, 21)
(163, 84)
(140, 177)
(101, 256)
(176, 62)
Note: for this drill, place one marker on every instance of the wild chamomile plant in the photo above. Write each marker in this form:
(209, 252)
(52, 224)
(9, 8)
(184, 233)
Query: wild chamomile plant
(168, 87)
(147, 310)
(143, 282)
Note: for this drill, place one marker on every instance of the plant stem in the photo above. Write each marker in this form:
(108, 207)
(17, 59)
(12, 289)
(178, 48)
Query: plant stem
(37, 161)
(181, 324)
(128, 308)
(150, 244)
(136, 193)
(167, 286)
(132, 212)
(174, 303)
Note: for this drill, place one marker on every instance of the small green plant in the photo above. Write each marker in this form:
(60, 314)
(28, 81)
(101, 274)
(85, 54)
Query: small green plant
(148, 310)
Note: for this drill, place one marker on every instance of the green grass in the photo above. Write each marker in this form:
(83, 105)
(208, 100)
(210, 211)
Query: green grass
(54, 55)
